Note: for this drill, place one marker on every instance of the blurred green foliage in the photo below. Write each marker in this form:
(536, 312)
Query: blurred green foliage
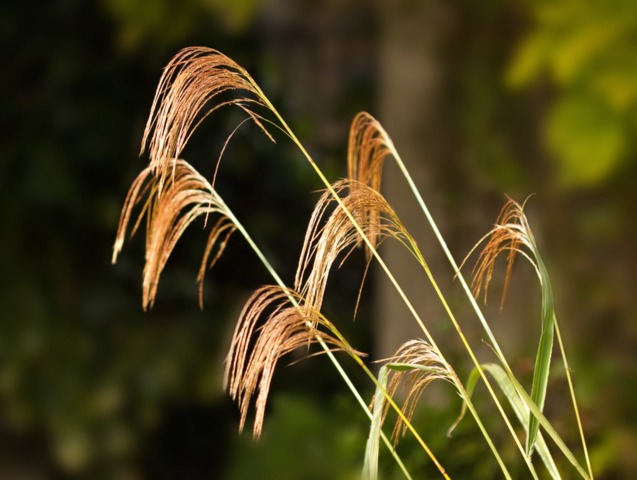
(165, 22)
(305, 439)
(588, 50)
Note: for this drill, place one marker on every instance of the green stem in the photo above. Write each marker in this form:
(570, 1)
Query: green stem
(572, 392)
(534, 410)
(402, 416)
(465, 396)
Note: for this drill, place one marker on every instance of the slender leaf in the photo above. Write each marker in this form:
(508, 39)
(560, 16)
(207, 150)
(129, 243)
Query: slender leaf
(522, 412)
(518, 405)
(547, 426)
(370, 468)
(543, 359)
(406, 367)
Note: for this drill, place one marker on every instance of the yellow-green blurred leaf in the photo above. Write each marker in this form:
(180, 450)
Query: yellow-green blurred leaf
(580, 46)
(528, 60)
(586, 138)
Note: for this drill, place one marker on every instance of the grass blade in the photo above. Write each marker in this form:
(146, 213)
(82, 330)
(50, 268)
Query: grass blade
(370, 468)
(543, 421)
(508, 388)
(543, 359)
(521, 411)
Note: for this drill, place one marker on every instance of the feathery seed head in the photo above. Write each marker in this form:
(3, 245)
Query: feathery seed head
(325, 242)
(186, 196)
(255, 351)
(368, 147)
(191, 80)
(512, 234)
(414, 365)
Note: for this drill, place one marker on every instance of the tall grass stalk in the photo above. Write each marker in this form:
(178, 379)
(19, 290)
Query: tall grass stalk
(177, 195)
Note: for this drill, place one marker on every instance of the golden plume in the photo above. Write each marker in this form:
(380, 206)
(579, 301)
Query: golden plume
(510, 233)
(186, 196)
(414, 365)
(191, 80)
(325, 242)
(255, 351)
(368, 147)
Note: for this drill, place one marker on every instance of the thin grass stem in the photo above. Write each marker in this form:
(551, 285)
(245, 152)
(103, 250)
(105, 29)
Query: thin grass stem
(465, 396)
(402, 416)
(472, 300)
(573, 399)
(445, 248)
(543, 421)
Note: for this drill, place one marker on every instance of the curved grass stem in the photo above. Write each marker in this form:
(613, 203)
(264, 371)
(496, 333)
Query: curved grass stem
(480, 370)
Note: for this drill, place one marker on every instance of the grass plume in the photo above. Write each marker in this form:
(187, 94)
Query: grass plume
(413, 367)
(251, 361)
(191, 82)
(186, 197)
(325, 242)
(512, 234)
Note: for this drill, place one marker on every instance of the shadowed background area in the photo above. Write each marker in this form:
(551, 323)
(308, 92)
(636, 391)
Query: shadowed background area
(482, 99)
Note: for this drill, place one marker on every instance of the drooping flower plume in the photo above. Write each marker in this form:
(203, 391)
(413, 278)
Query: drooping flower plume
(368, 147)
(413, 367)
(256, 348)
(186, 196)
(511, 234)
(196, 82)
(337, 236)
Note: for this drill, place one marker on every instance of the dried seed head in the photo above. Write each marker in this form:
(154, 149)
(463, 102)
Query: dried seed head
(369, 146)
(512, 234)
(414, 366)
(325, 242)
(194, 78)
(254, 352)
(186, 196)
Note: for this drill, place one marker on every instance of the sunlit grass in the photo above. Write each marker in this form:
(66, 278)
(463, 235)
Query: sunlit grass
(351, 213)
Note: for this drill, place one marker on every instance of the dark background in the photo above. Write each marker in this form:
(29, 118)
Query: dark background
(537, 99)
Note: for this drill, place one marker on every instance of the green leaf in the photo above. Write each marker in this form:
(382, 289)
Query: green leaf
(547, 426)
(521, 411)
(587, 139)
(406, 367)
(469, 387)
(370, 467)
(543, 358)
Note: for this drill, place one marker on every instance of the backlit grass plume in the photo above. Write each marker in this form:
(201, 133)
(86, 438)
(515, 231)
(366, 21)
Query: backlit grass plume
(186, 197)
(191, 83)
(325, 242)
(512, 235)
(368, 147)
(254, 352)
(413, 367)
